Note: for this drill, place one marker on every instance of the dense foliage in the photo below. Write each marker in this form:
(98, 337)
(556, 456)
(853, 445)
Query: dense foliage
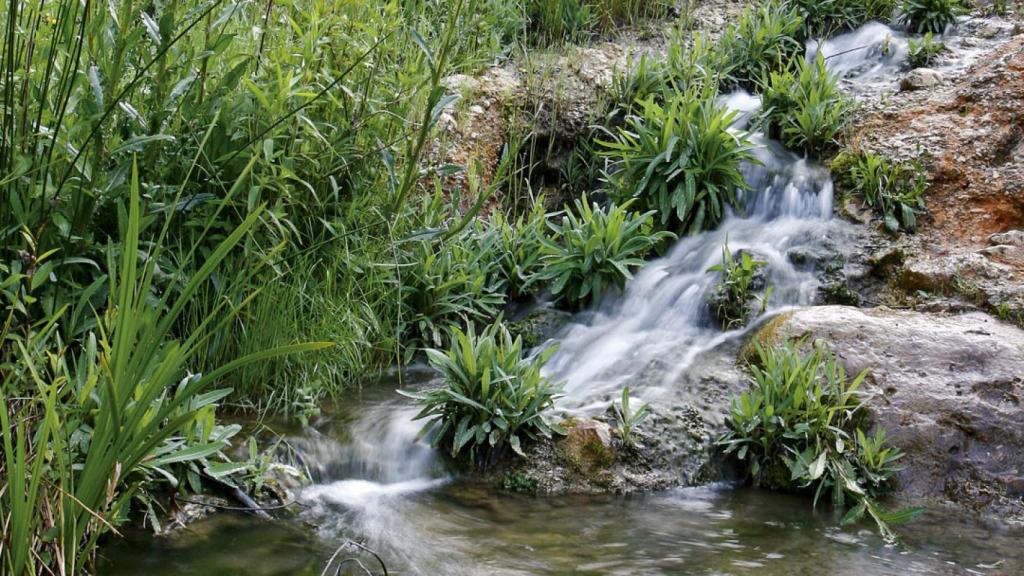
(681, 159)
(799, 426)
(823, 18)
(894, 189)
(764, 39)
(595, 251)
(805, 108)
(929, 15)
(493, 397)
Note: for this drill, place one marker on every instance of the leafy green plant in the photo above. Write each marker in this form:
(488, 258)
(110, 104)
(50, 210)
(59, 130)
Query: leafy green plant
(924, 51)
(895, 190)
(798, 428)
(764, 39)
(493, 397)
(627, 419)
(822, 18)
(554, 21)
(922, 16)
(681, 160)
(805, 109)
(594, 251)
(521, 248)
(731, 300)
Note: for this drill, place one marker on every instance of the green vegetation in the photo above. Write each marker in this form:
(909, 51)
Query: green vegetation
(766, 39)
(924, 51)
(493, 398)
(798, 427)
(894, 190)
(922, 16)
(737, 290)
(805, 109)
(627, 419)
(554, 21)
(594, 251)
(823, 18)
(680, 160)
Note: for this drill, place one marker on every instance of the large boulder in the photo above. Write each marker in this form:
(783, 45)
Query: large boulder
(947, 389)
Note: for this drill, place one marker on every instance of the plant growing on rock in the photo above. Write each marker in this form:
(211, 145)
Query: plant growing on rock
(627, 419)
(804, 109)
(595, 251)
(798, 428)
(894, 190)
(737, 289)
(922, 16)
(493, 396)
(681, 159)
(924, 51)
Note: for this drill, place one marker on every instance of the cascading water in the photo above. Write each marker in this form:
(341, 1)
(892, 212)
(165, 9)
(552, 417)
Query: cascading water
(373, 480)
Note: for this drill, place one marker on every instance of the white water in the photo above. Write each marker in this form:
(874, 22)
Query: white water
(369, 483)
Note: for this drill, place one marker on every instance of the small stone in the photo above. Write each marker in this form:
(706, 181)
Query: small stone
(476, 109)
(1010, 238)
(919, 79)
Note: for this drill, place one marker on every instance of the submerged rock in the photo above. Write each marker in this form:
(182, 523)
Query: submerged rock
(947, 389)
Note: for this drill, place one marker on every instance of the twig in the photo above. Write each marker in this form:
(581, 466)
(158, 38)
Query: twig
(350, 542)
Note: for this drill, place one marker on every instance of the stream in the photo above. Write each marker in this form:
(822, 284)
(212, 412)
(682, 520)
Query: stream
(373, 482)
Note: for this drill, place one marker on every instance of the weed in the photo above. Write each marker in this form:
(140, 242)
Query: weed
(935, 16)
(731, 300)
(681, 160)
(626, 419)
(805, 109)
(924, 51)
(493, 397)
(594, 251)
(797, 427)
(894, 190)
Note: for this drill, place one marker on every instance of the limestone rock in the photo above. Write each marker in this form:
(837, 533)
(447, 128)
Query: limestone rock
(919, 79)
(947, 389)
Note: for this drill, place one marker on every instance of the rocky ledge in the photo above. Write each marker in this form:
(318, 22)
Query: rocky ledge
(948, 391)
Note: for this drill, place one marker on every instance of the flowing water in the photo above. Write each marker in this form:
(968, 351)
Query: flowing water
(375, 483)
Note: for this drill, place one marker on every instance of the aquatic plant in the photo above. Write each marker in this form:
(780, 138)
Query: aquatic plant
(894, 189)
(731, 301)
(493, 396)
(935, 16)
(681, 159)
(798, 427)
(627, 419)
(594, 251)
(805, 109)
(925, 50)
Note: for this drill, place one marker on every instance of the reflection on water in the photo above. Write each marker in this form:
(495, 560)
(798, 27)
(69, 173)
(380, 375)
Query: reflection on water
(460, 529)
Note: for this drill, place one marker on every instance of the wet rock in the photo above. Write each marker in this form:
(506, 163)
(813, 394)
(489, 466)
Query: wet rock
(198, 507)
(947, 389)
(919, 79)
(587, 444)
(539, 324)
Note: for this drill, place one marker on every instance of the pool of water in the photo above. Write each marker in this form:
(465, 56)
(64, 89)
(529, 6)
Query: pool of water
(464, 529)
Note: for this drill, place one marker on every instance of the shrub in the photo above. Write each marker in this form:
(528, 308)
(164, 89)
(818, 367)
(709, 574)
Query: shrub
(922, 16)
(764, 39)
(798, 427)
(740, 281)
(595, 251)
(521, 245)
(822, 18)
(492, 398)
(627, 419)
(924, 51)
(806, 110)
(894, 190)
(681, 159)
